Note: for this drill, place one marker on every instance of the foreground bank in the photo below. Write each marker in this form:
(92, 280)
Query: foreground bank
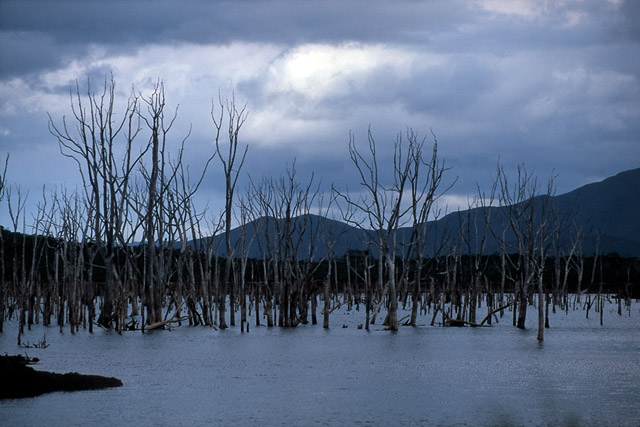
(21, 380)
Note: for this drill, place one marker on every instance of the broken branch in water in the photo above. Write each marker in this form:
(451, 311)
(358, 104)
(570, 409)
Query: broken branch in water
(494, 312)
(165, 322)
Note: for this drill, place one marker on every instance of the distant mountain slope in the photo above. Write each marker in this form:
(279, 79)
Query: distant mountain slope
(607, 213)
(611, 206)
(309, 233)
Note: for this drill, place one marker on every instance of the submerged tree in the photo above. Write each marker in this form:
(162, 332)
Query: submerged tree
(231, 165)
(101, 142)
(3, 185)
(425, 180)
(132, 236)
(528, 217)
(130, 188)
(383, 207)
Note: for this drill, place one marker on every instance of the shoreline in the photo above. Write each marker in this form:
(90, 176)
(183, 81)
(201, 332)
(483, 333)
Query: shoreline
(20, 380)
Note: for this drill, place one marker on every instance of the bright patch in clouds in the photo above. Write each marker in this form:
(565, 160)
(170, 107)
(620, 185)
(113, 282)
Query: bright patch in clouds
(303, 91)
(526, 8)
(449, 203)
(320, 71)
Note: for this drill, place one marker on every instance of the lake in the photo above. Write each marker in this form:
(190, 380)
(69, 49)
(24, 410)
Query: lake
(583, 374)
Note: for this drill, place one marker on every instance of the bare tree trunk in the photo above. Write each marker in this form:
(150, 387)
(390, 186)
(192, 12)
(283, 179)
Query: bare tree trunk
(327, 296)
(393, 299)
(540, 336)
(3, 185)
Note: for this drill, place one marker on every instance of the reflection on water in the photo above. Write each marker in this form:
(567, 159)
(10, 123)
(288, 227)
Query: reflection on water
(583, 374)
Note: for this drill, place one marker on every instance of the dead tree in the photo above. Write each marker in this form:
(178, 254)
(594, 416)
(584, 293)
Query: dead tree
(156, 184)
(382, 208)
(95, 144)
(3, 185)
(484, 203)
(310, 232)
(283, 205)
(263, 208)
(425, 190)
(330, 234)
(187, 220)
(245, 246)
(231, 165)
(527, 215)
(18, 279)
(568, 262)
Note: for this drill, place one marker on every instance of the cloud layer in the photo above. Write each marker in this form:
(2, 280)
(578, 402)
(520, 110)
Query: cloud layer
(554, 84)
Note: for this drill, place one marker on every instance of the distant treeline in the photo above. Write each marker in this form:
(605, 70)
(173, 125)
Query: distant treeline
(52, 281)
(617, 275)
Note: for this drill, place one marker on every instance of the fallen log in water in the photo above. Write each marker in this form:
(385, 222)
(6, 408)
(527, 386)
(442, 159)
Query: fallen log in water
(494, 312)
(20, 380)
(459, 323)
(165, 322)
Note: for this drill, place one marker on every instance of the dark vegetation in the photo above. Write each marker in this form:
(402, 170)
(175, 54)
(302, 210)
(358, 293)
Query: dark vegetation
(131, 251)
(21, 380)
(608, 274)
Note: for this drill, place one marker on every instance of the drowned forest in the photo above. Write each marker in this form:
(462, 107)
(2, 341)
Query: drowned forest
(131, 251)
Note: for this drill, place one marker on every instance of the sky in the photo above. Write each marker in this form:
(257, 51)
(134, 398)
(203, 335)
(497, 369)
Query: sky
(553, 85)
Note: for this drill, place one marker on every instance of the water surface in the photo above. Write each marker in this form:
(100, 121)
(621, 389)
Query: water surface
(583, 374)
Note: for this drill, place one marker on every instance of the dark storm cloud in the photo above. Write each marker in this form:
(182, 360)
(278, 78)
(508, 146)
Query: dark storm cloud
(626, 25)
(553, 84)
(22, 52)
(42, 34)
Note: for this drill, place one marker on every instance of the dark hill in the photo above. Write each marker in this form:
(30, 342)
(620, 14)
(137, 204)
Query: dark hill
(607, 213)
(610, 207)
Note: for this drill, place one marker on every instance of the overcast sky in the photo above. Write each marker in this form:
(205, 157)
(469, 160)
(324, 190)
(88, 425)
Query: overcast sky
(553, 84)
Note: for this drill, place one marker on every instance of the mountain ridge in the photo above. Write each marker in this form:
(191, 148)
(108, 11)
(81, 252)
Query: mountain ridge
(607, 214)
